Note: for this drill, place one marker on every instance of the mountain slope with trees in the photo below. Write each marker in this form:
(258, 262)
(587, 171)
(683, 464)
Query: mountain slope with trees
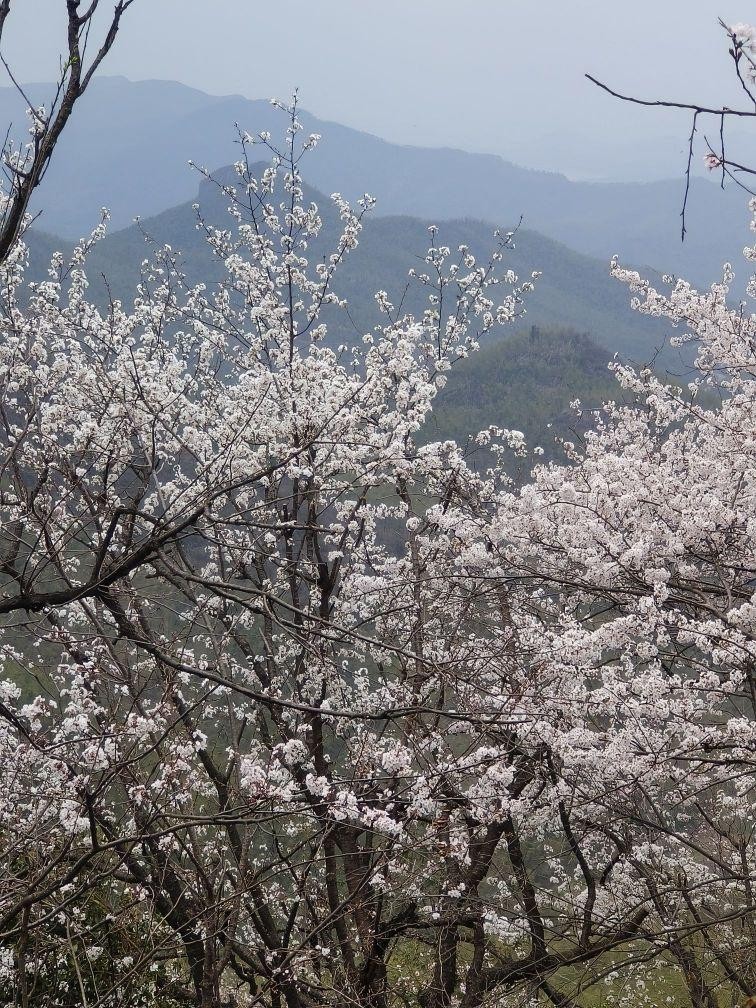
(527, 381)
(573, 291)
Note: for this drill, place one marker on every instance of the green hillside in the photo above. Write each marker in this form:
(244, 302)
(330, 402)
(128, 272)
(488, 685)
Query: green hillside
(526, 382)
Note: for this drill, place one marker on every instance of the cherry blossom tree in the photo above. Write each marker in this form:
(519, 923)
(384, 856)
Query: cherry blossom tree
(631, 571)
(241, 685)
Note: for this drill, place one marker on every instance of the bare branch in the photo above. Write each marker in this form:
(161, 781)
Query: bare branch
(688, 106)
(73, 82)
(4, 11)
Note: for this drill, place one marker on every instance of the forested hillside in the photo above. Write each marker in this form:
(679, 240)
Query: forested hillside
(573, 291)
(527, 381)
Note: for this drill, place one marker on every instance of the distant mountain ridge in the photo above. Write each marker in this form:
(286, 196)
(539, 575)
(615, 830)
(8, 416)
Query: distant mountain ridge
(574, 292)
(128, 145)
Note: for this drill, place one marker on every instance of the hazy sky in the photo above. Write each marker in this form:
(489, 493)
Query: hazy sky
(489, 75)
